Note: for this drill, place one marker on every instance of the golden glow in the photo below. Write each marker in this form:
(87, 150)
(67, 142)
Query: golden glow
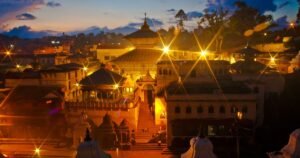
(273, 59)
(160, 110)
(85, 68)
(37, 151)
(18, 66)
(7, 53)
(265, 34)
(116, 86)
(292, 25)
(232, 60)
(166, 50)
(239, 115)
(203, 53)
(77, 84)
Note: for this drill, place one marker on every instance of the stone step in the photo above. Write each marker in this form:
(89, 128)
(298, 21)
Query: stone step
(148, 146)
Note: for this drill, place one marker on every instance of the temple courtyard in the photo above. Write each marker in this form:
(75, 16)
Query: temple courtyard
(50, 151)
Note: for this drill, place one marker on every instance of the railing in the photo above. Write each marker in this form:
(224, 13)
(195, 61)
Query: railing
(74, 106)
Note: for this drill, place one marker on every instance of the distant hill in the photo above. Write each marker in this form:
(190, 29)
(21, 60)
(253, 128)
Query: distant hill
(27, 33)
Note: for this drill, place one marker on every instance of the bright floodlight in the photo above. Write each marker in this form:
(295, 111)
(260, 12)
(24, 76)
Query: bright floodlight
(273, 59)
(116, 86)
(85, 68)
(166, 50)
(37, 151)
(203, 53)
(8, 53)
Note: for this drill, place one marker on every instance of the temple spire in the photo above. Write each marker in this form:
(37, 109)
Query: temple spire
(145, 26)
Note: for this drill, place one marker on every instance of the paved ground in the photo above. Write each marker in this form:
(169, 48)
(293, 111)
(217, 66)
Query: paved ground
(139, 154)
(52, 152)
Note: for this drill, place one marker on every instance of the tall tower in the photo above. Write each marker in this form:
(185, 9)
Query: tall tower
(144, 37)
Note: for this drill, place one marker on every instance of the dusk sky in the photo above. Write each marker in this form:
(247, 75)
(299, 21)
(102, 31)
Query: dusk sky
(70, 15)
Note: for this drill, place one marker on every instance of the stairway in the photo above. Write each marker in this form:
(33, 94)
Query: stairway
(142, 137)
(146, 125)
(148, 146)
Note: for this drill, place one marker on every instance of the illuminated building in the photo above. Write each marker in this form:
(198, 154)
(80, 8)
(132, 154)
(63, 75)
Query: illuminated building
(106, 54)
(101, 92)
(168, 72)
(103, 84)
(65, 76)
(190, 106)
(144, 57)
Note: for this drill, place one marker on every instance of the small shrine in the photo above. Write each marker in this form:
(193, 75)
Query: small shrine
(106, 134)
(124, 136)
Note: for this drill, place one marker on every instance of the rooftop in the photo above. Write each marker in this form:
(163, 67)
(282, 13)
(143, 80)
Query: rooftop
(144, 32)
(23, 75)
(63, 68)
(102, 77)
(140, 55)
(227, 87)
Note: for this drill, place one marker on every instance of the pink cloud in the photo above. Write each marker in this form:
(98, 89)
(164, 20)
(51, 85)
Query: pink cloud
(9, 9)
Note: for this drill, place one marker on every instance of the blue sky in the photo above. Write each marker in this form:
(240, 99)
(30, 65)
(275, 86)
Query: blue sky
(70, 15)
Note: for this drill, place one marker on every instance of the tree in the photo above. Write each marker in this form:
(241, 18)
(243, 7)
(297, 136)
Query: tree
(214, 22)
(181, 16)
(245, 18)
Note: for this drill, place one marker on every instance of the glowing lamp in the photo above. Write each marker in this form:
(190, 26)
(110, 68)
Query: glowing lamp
(37, 151)
(77, 84)
(239, 115)
(116, 86)
(85, 68)
(265, 34)
(292, 24)
(8, 53)
(166, 50)
(203, 53)
(272, 59)
(18, 66)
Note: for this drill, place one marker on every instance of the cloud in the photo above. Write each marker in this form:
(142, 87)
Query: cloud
(152, 22)
(9, 9)
(171, 10)
(27, 32)
(261, 5)
(193, 14)
(25, 16)
(53, 4)
(283, 4)
(281, 23)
